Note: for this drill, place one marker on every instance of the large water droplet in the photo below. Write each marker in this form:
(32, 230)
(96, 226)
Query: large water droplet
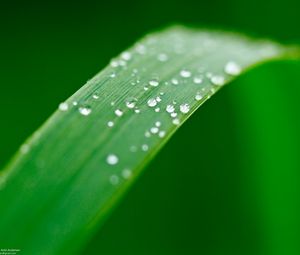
(112, 159)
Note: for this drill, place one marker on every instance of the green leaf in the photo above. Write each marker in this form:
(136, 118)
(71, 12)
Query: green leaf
(65, 179)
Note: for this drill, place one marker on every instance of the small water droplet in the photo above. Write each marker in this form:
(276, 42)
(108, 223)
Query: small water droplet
(145, 147)
(154, 130)
(152, 102)
(75, 103)
(141, 49)
(130, 103)
(154, 82)
(184, 108)
(161, 134)
(110, 123)
(63, 107)
(119, 112)
(185, 73)
(112, 159)
(157, 109)
(96, 95)
(137, 110)
(114, 179)
(112, 75)
(158, 99)
(147, 134)
(146, 88)
(170, 108)
(126, 173)
(114, 63)
(176, 122)
(232, 68)
(197, 80)
(175, 81)
(126, 55)
(85, 110)
(174, 114)
(158, 123)
(218, 80)
(198, 97)
(162, 57)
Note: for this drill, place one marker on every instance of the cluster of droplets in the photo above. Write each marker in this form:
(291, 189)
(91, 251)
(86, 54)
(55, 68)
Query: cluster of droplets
(184, 77)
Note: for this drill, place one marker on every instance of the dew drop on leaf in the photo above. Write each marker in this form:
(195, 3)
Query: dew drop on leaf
(112, 159)
(184, 108)
(152, 102)
(118, 112)
(63, 107)
(232, 68)
(85, 110)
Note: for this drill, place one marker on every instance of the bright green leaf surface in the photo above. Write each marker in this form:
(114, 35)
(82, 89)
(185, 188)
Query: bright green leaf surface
(68, 175)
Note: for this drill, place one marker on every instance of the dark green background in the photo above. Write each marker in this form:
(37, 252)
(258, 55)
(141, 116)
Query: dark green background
(228, 183)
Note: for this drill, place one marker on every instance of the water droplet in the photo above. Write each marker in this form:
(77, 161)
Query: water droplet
(157, 109)
(119, 112)
(112, 103)
(185, 73)
(75, 103)
(126, 173)
(184, 108)
(126, 55)
(158, 99)
(141, 49)
(137, 110)
(175, 81)
(110, 123)
(85, 110)
(170, 108)
(112, 75)
(114, 63)
(197, 80)
(114, 179)
(146, 88)
(130, 103)
(173, 114)
(217, 80)
(158, 123)
(154, 130)
(147, 134)
(162, 57)
(232, 68)
(96, 95)
(63, 106)
(152, 102)
(154, 82)
(112, 159)
(175, 122)
(161, 134)
(198, 97)
(145, 147)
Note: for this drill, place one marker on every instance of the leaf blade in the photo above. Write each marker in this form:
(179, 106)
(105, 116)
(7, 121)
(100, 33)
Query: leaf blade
(89, 152)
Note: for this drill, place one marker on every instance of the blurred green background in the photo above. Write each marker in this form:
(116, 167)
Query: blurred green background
(228, 182)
